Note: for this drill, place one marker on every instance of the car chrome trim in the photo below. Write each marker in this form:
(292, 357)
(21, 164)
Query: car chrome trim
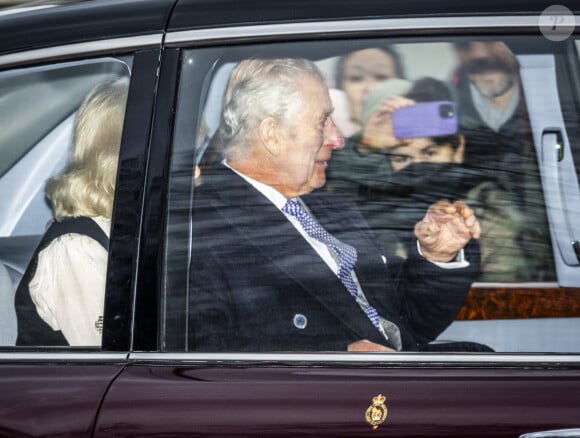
(491, 285)
(22, 9)
(557, 433)
(86, 48)
(330, 357)
(368, 358)
(61, 356)
(329, 27)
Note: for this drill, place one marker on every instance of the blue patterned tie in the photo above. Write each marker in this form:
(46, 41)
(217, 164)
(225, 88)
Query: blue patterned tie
(346, 253)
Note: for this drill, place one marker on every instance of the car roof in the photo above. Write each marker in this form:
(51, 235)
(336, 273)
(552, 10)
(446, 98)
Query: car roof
(34, 28)
(190, 14)
(80, 21)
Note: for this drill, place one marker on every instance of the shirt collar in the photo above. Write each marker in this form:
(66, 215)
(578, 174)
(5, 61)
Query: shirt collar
(273, 195)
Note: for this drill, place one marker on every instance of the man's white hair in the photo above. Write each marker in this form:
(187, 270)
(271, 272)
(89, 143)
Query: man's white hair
(257, 89)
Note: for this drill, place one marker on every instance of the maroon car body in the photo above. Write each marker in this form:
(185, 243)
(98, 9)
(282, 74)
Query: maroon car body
(143, 381)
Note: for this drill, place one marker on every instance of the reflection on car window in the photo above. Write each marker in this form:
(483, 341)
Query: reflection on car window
(275, 160)
(314, 217)
(574, 110)
(57, 268)
(490, 163)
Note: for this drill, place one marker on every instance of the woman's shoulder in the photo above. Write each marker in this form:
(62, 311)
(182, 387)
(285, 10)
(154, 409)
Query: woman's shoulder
(76, 236)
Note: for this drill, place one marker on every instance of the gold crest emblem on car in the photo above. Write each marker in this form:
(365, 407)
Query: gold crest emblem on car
(377, 412)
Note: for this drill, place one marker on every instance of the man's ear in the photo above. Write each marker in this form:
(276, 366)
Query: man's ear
(269, 132)
(460, 151)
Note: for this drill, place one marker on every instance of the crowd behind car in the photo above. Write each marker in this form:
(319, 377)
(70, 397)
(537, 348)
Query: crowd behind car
(392, 179)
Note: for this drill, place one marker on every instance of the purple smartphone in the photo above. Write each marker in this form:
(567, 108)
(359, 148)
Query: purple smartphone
(425, 119)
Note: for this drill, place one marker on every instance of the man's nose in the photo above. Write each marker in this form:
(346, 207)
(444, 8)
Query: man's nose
(332, 135)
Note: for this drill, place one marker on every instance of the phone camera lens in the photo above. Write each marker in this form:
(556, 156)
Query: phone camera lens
(446, 111)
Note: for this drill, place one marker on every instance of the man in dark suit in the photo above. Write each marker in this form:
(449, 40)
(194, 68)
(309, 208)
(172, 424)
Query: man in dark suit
(277, 265)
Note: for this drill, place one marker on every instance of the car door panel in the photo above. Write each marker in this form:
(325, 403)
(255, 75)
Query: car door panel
(41, 397)
(307, 400)
(485, 396)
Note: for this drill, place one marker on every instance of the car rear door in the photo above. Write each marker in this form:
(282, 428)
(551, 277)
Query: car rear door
(57, 391)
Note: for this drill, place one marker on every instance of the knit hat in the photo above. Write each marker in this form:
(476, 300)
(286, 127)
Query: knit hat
(384, 90)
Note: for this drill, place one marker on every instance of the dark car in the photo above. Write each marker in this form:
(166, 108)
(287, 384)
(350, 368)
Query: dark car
(512, 71)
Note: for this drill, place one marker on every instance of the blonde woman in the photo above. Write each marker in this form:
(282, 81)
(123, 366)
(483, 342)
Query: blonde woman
(60, 299)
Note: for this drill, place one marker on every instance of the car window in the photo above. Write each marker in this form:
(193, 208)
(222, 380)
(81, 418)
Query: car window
(573, 126)
(570, 97)
(411, 123)
(61, 129)
(575, 59)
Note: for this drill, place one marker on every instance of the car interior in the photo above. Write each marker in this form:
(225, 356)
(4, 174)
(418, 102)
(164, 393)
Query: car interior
(36, 136)
(40, 105)
(438, 60)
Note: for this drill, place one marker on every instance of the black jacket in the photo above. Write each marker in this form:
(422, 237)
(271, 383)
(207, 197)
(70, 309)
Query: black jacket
(252, 274)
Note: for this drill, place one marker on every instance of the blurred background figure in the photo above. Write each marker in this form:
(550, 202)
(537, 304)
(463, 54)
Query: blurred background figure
(491, 104)
(428, 168)
(61, 296)
(357, 73)
(361, 164)
(494, 119)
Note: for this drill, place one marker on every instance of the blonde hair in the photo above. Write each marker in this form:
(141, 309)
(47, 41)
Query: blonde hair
(86, 187)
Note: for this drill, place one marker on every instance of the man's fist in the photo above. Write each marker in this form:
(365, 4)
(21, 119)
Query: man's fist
(446, 229)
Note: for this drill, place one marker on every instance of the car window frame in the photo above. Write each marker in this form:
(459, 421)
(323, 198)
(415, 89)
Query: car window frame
(120, 285)
(476, 27)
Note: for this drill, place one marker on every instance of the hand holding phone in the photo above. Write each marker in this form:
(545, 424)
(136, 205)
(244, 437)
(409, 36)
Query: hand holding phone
(425, 119)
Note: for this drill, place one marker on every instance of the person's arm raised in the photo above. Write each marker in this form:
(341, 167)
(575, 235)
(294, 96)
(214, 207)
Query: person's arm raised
(446, 229)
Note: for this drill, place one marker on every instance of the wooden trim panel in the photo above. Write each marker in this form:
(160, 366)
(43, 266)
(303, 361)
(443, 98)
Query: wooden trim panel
(515, 303)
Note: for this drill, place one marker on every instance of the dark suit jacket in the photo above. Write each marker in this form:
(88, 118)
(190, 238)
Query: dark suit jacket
(257, 285)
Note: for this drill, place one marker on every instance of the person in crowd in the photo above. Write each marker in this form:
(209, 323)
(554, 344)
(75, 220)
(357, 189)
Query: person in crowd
(357, 73)
(361, 164)
(427, 168)
(60, 299)
(279, 265)
(491, 102)
(494, 120)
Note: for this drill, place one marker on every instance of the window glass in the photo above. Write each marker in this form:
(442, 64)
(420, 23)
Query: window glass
(60, 136)
(574, 108)
(405, 125)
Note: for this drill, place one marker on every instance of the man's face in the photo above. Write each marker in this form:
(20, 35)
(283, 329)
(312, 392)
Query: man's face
(309, 141)
(491, 67)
